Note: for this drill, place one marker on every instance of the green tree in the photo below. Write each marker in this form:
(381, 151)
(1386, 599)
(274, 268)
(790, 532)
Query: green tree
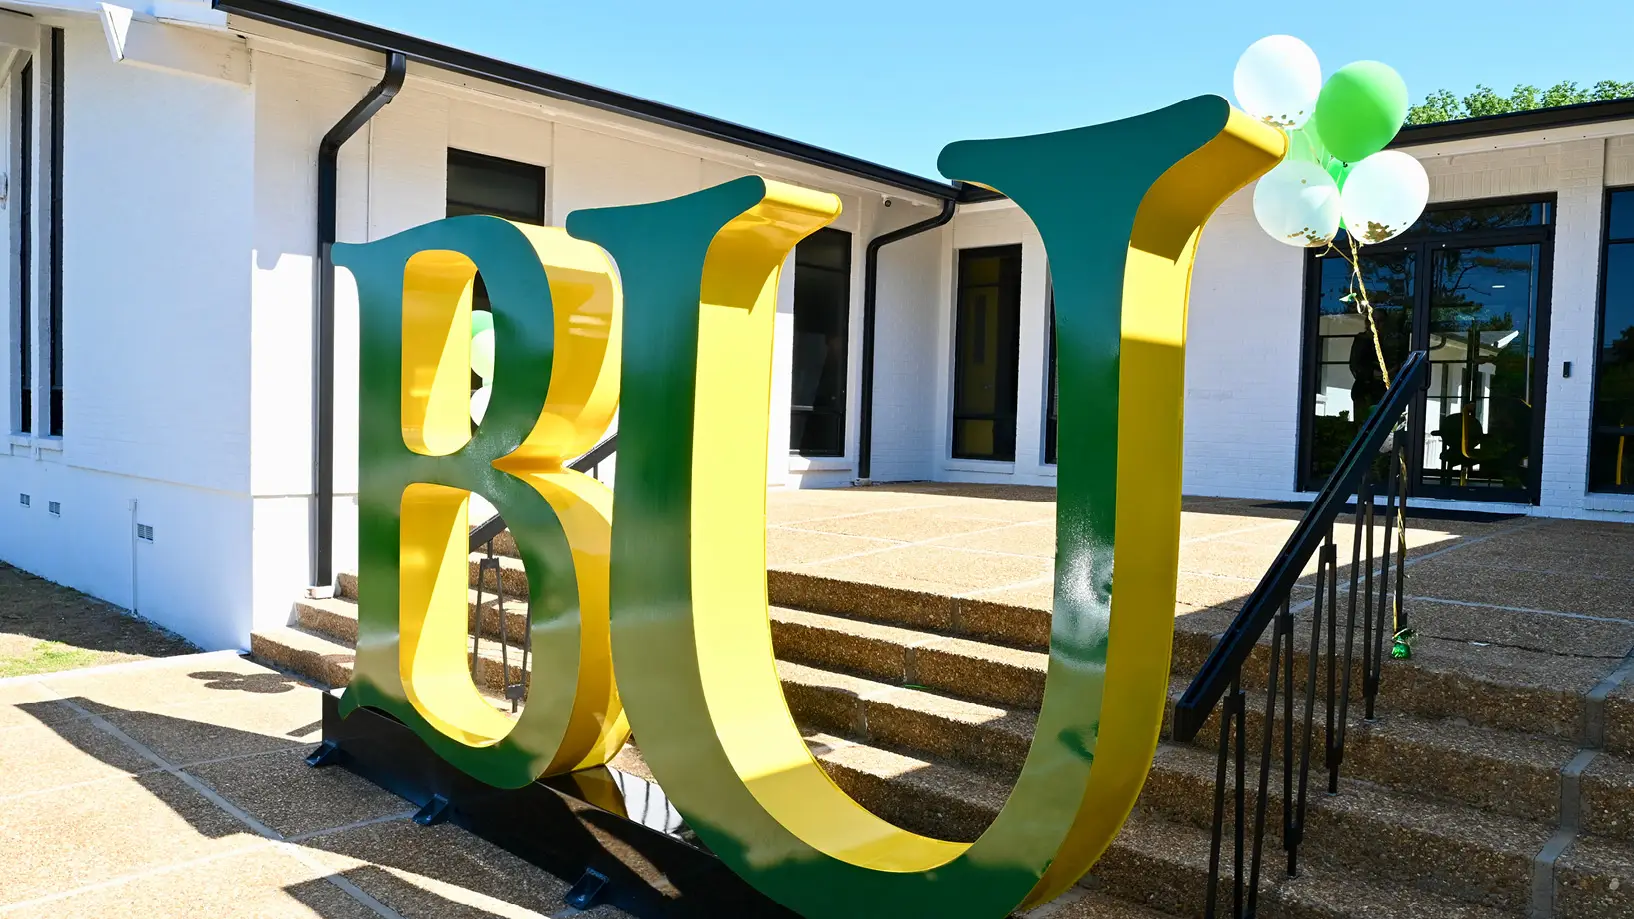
(1442, 105)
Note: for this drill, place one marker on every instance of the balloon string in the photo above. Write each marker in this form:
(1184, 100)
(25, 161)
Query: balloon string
(1364, 306)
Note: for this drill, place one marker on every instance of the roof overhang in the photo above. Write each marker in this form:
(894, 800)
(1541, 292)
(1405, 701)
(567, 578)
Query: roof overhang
(347, 31)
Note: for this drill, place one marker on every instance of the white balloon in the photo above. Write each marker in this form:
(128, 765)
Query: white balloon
(1298, 203)
(479, 403)
(1384, 195)
(1277, 80)
(482, 354)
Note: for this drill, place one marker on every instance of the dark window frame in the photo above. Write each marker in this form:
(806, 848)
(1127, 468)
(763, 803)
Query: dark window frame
(24, 194)
(1052, 438)
(844, 370)
(535, 216)
(1540, 234)
(54, 368)
(454, 208)
(1600, 311)
(1012, 286)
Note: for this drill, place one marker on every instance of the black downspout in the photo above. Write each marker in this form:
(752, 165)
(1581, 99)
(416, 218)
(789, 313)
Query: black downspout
(870, 296)
(323, 338)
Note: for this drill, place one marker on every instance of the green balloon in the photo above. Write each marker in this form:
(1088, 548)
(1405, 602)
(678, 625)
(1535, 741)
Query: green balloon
(1361, 108)
(1305, 143)
(1339, 169)
(481, 321)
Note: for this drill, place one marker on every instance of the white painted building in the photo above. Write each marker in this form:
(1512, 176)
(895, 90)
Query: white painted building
(161, 207)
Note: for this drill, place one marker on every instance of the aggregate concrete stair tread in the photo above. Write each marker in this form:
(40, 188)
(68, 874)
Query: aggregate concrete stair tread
(959, 666)
(319, 658)
(1448, 849)
(1515, 689)
(1595, 879)
(1165, 866)
(989, 739)
(1444, 759)
(328, 659)
(337, 617)
(1006, 624)
(1607, 797)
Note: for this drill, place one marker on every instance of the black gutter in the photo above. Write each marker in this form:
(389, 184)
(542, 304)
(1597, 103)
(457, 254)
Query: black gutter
(323, 338)
(337, 28)
(1562, 116)
(870, 309)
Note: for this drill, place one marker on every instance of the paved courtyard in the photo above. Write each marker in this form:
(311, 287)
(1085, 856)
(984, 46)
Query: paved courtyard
(176, 787)
(1534, 601)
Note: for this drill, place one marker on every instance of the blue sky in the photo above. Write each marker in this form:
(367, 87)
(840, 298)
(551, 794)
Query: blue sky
(894, 80)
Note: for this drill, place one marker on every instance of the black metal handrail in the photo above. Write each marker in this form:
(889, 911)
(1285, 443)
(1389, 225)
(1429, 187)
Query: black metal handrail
(1271, 593)
(491, 572)
(590, 463)
(1270, 605)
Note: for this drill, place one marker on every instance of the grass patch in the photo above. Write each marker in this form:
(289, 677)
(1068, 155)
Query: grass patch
(48, 657)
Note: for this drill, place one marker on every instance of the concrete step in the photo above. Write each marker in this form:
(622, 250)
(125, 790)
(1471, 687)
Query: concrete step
(337, 617)
(327, 660)
(957, 666)
(1165, 866)
(1491, 684)
(319, 658)
(989, 739)
(1445, 849)
(1440, 759)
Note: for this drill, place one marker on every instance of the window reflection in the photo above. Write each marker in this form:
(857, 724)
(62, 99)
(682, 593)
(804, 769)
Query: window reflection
(1611, 450)
(1348, 380)
(1479, 406)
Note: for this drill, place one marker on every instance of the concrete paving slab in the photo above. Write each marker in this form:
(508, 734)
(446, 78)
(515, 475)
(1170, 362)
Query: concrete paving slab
(173, 682)
(909, 524)
(282, 791)
(73, 837)
(40, 757)
(264, 883)
(441, 871)
(1035, 539)
(230, 726)
(936, 568)
(1450, 577)
(790, 546)
(40, 702)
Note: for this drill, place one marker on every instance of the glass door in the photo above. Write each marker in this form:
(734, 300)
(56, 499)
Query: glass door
(1482, 339)
(1468, 284)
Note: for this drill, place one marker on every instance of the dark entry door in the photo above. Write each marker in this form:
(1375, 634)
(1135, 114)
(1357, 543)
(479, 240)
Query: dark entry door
(1469, 285)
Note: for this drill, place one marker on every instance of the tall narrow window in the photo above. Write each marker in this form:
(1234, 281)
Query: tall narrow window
(495, 187)
(23, 195)
(986, 353)
(54, 297)
(1611, 449)
(1052, 398)
(822, 321)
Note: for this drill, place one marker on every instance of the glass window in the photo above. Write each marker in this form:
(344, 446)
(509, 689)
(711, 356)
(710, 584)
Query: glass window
(1482, 344)
(1052, 399)
(480, 184)
(1611, 449)
(23, 194)
(495, 187)
(822, 321)
(54, 297)
(1465, 285)
(986, 353)
(1348, 380)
